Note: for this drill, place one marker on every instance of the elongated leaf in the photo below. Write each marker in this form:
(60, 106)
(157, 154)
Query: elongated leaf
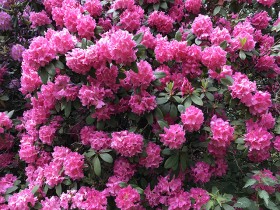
(242, 55)
(264, 195)
(97, 166)
(250, 182)
(159, 74)
(171, 161)
(106, 157)
(162, 123)
(217, 10)
(197, 100)
(138, 38)
(242, 203)
(181, 108)
(35, 189)
(67, 109)
(11, 189)
(58, 189)
(178, 36)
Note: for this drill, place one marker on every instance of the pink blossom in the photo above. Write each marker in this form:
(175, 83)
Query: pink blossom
(122, 47)
(47, 134)
(6, 182)
(124, 169)
(148, 39)
(59, 153)
(192, 119)
(220, 168)
(243, 41)
(51, 203)
(220, 35)
(214, 57)
(268, 3)
(276, 143)
(126, 143)
(258, 139)
(39, 19)
(53, 173)
(58, 15)
(222, 131)
(176, 12)
(193, 6)
(202, 26)
(16, 52)
(78, 61)
(94, 7)
(173, 137)
(71, 17)
(123, 4)
(128, 198)
(200, 196)
(218, 75)
(85, 26)
(180, 200)
(62, 41)
(73, 165)
(266, 63)
(5, 21)
(22, 200)
(130, 19)
(153, 158)
(5, 122)
(162, 22)
(260, 103)
(261, 185)
(143, 102)
(260, 20)
(201, 172)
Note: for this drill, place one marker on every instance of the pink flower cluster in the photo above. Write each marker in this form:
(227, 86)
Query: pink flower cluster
(173, 137)
(162, 22)
(5, 122)
(192, 119)
(153, 158)
(39, 19)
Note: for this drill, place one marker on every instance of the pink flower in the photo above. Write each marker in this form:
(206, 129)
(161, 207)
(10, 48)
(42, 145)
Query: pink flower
(222, 131)
(89, 198)
(243, 41)
(130, 19)
(53, 173)
(153, 158)
(180, 200)
(268, 3)
(201, 172)
(51, 203)
(47, 134)
(193, 6)
(5, 21)
(148, 39)
(241, 87)
(40, 53)
(173, 137)
(261, 185)
(85, 26)
(276, 143)
(123, 4)
(141, 103)
(260, 20)
(78, 61)
(6, 182)
(5, 122)
(202, 26)
(162, 22)
(62, 41)
(192, 119)
(98, 140)
(22, 200)
(71, 17)
(126, 143)
(39, 19)
(94, 7)
(73, 165)
(128, 198)
(58, 15)
(260, 103)
(16, 52)
(214, 57)
(122, 47)
(225, 71)
(267, 63)
(124, 169)
(220, 168)
(218, 36)
(200, 196)
(258, 139)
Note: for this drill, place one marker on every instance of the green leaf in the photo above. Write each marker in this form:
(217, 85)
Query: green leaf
(90, 153)
(183, 161)
(97, 166)
(277, 195)
(138, 38)
(150, 118)
(197, 100)
(134, 67)
(173, 111)
(187, 102)
(178, 36)
(243, 41)
(217, 10)
(181, 108)
(11, 189)
(43, 75)
(161, 100)
(100, 125)
(163, 5)
(84, 43)
(227, 81)
(158, 114)
(242, 55)
(106, 157)
(159, 74)
(197, 41)
(10, 114)
(227, 207)
(239, 141)
(67, 109)
(156, 6)
(35, 189)
(58, 189)
(210, 96)
(209, 205)
(250, 182)
(162, 123)
(90, 120)
(223, 45)
(264, 195)
(50, 69)
(171, 161)
(242, 203)
(4, 98)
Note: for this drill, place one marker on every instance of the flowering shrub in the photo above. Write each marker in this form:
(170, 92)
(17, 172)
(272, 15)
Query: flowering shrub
(156, 104)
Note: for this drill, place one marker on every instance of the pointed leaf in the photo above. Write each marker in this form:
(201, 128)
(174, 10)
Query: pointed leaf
(197, 100)
(106, 157)
(97, 166)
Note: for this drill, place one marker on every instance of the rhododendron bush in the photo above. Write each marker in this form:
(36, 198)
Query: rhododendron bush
(146, 104)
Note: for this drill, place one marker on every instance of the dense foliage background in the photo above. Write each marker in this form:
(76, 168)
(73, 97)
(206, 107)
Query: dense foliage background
(146, 104)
